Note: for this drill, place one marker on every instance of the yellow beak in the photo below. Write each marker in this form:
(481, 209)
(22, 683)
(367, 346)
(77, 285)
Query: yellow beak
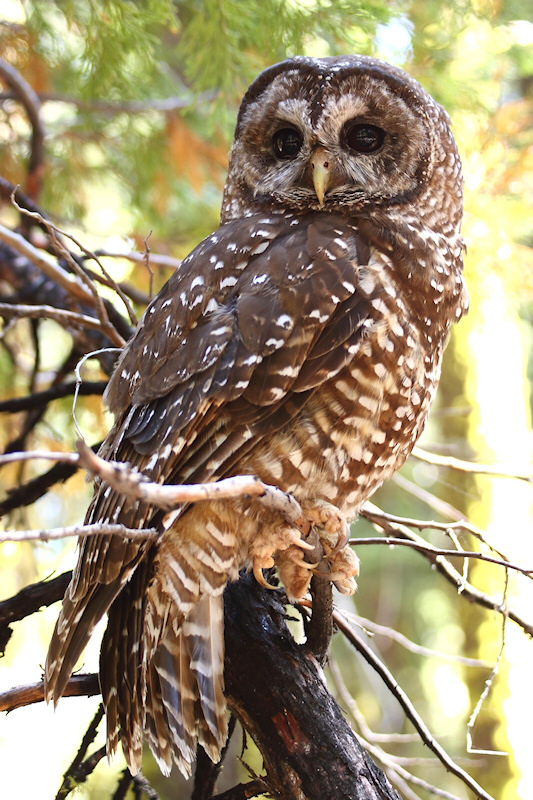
(321, 166)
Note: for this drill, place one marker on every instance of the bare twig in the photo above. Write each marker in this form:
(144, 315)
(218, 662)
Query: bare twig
(488, 685)
(408, 707)
(437, 551)
(382, 630)
(78, 686)
(369, 739)
(46, 264)
(80, 774)
(156, 260)
(64, 318)
(469, 466)
(30, 100)
(39, 399)
(80, 769)
(449, 572)
(95, 529)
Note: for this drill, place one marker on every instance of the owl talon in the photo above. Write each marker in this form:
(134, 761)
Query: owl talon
(260, 578)
(300, 562)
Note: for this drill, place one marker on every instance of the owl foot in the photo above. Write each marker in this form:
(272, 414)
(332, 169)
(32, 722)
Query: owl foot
(329, 535)
(284, 543)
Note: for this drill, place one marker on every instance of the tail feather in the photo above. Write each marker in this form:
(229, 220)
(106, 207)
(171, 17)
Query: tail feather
(204, 632)
(73, 630)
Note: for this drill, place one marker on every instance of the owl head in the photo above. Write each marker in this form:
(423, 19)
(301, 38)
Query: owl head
(349, 135)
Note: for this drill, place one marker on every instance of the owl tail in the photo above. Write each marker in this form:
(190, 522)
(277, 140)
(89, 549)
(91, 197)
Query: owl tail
(165, 683)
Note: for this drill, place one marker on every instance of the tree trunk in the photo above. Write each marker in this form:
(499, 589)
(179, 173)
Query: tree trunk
(276, 689)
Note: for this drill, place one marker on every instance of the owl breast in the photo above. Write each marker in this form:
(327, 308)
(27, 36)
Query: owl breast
(358, 428)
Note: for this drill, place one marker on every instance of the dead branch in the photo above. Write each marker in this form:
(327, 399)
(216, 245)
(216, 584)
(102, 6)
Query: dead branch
(28, 601)
(437, 551)
(47, 264)
(40, 399)
(469, 466)
(78, 686)
(407, 706)
(25, 94)
(79, 770)
(68, 319)
(95, 529)
(442, 565)
(27, 493)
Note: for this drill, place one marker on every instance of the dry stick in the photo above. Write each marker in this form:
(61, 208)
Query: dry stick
(136, 485)
(450, 573)
(73, 775)
(95, 529)
(64, 318)
(469, 466)
(56, 392)
(156, 259)
(54, 232)
(369, 739)
(46, 264)
(434, 502)
(85, 685)
(408, 707)
(373, 513)
(488, 684)
(25, 94)
(436, 551)
(371, 627)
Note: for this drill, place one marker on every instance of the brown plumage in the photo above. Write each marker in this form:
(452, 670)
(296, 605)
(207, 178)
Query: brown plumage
(300, 342)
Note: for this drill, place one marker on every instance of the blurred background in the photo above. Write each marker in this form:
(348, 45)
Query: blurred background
(138, 102)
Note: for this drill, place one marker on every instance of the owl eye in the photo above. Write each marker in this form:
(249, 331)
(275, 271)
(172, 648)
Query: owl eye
(287, 143)
(363, 138)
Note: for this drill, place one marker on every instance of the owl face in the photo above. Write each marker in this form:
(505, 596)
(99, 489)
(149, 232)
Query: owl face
(335, 134)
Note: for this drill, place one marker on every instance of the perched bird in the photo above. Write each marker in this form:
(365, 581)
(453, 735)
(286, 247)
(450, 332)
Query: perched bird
(301, 342)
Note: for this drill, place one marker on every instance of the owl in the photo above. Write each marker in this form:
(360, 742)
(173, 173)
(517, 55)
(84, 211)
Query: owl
(301, 342)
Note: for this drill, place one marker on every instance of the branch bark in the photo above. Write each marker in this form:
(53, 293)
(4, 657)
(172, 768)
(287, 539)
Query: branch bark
(276, 689)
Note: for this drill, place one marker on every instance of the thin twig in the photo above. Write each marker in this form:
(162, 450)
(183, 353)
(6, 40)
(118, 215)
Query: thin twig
(39, 399)
(449, 572)
(413, 647)
(76, 773)
(437, 551)
(408, 708)
(85, 685)
(95, 529)
(46, 264)
(469, 466)
(488, 684)
(62, 317)
(156, 259)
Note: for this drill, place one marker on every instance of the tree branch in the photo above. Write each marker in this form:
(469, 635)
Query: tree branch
(309, 750)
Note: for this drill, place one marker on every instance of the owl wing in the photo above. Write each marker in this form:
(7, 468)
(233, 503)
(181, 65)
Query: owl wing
(256, 317)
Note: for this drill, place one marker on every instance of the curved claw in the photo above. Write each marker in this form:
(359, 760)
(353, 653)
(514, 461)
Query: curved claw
(300, 562)
(260, 578)
(342, 541)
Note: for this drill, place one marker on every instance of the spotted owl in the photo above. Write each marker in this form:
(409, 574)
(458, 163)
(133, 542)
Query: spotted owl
(301, 342)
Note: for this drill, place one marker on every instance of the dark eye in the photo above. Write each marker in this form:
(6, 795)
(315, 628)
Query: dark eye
(287, 143)
(363, 138)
